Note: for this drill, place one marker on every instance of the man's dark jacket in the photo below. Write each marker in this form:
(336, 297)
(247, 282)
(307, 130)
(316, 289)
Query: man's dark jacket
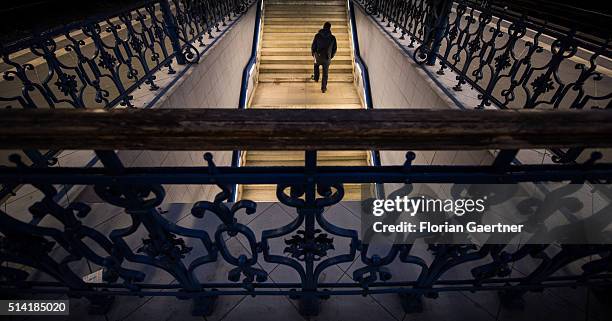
(324, 45)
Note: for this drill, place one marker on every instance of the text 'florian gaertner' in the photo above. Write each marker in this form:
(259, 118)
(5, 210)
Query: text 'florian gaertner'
(427, 208)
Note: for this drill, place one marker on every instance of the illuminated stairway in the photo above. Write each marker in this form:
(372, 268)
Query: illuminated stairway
(285, 64)
(285, 67)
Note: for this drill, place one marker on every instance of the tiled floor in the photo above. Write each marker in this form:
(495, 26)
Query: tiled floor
(553, 304)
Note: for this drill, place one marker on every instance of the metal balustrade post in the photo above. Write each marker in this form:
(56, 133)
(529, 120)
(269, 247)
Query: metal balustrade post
(28, 247)
(33, 244)
(171, 28)
(162, 249)
(309, 302)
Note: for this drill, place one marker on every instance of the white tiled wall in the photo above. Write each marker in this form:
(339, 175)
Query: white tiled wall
(216, 80)
(395, 80)
(398, 82)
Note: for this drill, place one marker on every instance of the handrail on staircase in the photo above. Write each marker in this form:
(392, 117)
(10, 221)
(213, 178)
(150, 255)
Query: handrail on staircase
(246, 76)
(248, 69)
(365, 77)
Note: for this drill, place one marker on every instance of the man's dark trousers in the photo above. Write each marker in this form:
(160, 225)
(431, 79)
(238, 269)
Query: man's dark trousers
(325, 64)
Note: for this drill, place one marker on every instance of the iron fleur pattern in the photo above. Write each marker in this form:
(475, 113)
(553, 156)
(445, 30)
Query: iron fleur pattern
(116, 55)
(512, 60)
(311, 240)
(100, 63)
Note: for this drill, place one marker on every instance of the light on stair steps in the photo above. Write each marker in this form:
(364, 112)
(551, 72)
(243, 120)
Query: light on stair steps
(285, 68)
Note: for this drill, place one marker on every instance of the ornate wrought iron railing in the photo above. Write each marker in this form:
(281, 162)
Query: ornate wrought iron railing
(27, 246)
(512, 59)
(101, 61)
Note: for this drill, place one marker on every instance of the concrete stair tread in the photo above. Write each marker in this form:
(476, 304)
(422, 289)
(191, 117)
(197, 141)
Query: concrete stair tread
(305, 2)
(294, 20)
(281, 7)
(308, 65)
(316, 27)
(312, 106)
(272, 69)
(302, 77)
(305, 24)
(307, 38)
(307, 10)
(306, 15)
(296, 154)
(301, 29)
(305, 95)
(304, 11)
(341, 60)
(302, 45)
(266, 186)
(297, 7)
(279, 43)
(322, 160)
(330, 162)
(305, 101)
(300, 33)
(305, 57)
(267, 193)
(297, 51)
(298, 36)
(300, 22)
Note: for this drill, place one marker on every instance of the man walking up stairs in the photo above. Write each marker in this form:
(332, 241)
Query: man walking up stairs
(323, 50)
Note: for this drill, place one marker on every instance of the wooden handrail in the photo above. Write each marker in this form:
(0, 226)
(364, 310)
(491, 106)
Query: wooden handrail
(320, 129)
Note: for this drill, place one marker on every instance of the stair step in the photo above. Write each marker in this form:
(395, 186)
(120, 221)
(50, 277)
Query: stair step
(302, 77)
(306, 27)
(306, 11)
(267, 193)
(297, 52)
(305, 8)
(311, 20)
(335, 162)
(304, 54)
(336, 105)
(296, 7)
(337, 29)
(303, 68)
(299, 15)
(322, 156)
(296, 43)
(305, 24)
(299, 60)
(305, 3)
(299, 36)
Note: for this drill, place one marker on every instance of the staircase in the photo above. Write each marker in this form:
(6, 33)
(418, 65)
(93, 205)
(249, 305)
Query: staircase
(285, 63)
(289, 27)
(285, 67)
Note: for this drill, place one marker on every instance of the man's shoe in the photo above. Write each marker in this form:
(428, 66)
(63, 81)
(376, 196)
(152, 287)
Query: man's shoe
(313, 78)
(323, 90)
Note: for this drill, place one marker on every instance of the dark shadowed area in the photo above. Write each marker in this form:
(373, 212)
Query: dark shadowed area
(20, 19)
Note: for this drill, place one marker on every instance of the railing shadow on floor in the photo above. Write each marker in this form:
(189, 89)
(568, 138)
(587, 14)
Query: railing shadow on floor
(27, 245)
(513, 59)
